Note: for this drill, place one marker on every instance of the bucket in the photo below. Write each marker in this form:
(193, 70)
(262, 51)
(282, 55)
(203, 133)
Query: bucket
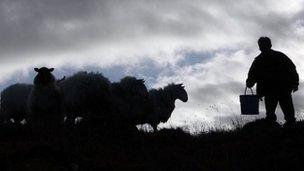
(249, 103)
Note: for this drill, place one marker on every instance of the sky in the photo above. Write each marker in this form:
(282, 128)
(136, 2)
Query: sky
(206, 45)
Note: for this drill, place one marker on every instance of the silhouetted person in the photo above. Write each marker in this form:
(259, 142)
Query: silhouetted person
(276, 78)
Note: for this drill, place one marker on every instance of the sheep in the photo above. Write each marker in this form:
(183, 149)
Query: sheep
(44, 101)
(95, 98)
(142, 106)
(84, 95)
(127, 99)
(162, 104)
(14, 102)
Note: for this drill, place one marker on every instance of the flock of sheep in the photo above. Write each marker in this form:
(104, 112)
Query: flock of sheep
(91, 96)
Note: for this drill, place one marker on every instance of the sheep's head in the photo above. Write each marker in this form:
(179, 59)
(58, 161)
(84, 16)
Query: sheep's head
(44, 76)
(134, 86)
(177, 91)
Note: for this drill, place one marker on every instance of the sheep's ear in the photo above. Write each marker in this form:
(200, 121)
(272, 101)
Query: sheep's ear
(36, 69)
(181, 85)
(63, 78)
(51, 69)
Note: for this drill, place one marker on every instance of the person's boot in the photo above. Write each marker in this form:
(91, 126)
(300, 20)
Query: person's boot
(271, 118)
(289, 124)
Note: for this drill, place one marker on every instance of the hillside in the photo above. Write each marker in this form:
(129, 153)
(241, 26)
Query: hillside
(256, 146)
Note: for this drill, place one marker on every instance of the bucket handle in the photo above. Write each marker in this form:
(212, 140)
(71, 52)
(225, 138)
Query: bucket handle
(250, 90)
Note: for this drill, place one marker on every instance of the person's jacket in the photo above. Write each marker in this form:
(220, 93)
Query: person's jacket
(274, 73)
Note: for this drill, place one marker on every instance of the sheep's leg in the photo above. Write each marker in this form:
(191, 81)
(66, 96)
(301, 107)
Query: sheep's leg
(154, 126)
(70, 120)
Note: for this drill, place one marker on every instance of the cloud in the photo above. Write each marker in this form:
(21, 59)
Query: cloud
(209, 45)
(35, 28)
(213, 86)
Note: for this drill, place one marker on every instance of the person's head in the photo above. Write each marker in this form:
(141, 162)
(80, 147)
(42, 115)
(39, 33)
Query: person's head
(264, 44)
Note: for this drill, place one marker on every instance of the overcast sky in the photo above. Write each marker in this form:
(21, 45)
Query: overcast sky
(207, 45)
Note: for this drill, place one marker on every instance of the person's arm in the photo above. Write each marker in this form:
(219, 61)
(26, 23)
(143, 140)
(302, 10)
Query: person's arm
(294, 76)
(252, 75)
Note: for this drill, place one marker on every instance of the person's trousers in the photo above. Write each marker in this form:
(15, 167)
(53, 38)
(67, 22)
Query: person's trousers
(286, 104)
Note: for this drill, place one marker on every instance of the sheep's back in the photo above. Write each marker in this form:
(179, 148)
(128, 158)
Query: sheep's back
(127, 107)
(85, 93)
(14, 100)
(160, 111)
(45, 101)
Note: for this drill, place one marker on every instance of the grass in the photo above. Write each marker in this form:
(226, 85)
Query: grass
(254, 146)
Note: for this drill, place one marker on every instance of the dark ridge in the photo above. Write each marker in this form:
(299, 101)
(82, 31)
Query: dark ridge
(258, 145)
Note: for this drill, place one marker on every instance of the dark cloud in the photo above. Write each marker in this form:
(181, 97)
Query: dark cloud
(52, 26)
(41, 23)
(41, 26)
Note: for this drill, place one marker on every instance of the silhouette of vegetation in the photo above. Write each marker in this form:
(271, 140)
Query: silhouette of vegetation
(256, 146)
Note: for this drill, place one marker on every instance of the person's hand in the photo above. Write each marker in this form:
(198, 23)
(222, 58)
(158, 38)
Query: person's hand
(295, 88)
(249, 84)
